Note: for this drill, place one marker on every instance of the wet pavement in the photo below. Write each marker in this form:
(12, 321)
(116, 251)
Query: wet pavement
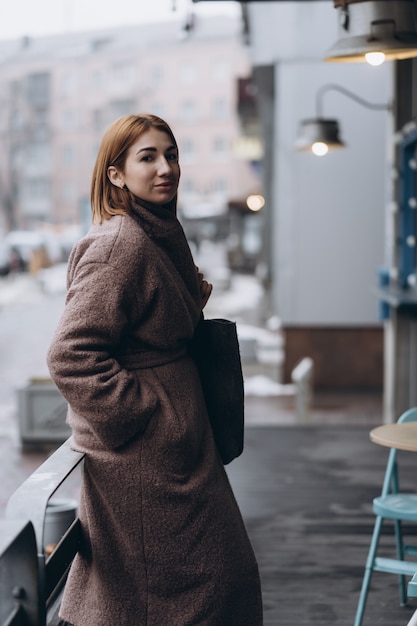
(306, 495)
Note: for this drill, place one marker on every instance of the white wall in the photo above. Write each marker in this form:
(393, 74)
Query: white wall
(329, 212)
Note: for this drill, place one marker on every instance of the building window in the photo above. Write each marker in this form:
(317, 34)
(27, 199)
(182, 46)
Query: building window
(38, 86)
(17, 120)
(118, 108)
(220, 147)
(69, 82)
(122, 73)
(41, 119)
(187, 186)
(187, 154)
(15, 89)
(156, 74)
(39, 155)
(38, 189)
(188, 73)
(97, 45)
(99, 119)
(219, 186)
(94, 153)
(188, 111)
(221, 70)
(17, 158)
(68, 155)
(219, 108)
(69, 119)
(69, 192)
(97, 79)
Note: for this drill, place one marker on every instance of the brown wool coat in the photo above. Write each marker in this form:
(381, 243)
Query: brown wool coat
(164, 541)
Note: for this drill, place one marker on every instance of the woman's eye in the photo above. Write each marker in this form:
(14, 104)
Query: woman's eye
(172, 157)
(147, 157)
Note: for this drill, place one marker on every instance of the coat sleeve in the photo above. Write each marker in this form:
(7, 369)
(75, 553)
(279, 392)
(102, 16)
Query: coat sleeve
(111, 399)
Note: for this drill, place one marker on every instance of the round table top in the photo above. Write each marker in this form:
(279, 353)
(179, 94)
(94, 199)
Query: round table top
(400, 436)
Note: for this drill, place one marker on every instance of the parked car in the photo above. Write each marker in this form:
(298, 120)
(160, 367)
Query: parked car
(24, 243)
(4, 259)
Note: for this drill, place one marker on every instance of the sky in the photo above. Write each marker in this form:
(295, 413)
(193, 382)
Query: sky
(44, 17)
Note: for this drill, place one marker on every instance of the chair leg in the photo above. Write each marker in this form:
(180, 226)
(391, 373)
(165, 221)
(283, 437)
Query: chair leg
(400, 557)
(368, 572)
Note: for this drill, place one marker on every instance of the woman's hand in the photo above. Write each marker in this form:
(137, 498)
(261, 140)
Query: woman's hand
(205, 288)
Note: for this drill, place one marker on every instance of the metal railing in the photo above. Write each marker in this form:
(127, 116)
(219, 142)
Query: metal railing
(302, 378)
(19, 583)
(30, 580)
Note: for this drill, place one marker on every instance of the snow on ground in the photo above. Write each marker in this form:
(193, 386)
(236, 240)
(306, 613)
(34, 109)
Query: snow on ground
(18, 288)
(53, 279)
(261, 385)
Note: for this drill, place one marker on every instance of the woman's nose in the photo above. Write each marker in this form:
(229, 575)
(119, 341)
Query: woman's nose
(164, 166)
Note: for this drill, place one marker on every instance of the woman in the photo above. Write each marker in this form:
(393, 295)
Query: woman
(163, 538)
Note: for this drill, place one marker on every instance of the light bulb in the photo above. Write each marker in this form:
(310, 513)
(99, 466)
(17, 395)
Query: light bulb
(375, 58)
(319, 148)
(255, 202)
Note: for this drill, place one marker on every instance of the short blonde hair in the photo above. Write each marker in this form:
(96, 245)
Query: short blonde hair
(107, 199)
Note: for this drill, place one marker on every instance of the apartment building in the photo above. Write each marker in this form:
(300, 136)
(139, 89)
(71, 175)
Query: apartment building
(59, 93)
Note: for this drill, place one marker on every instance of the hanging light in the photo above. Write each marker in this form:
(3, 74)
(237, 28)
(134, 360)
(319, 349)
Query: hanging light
(375, 58)
(320, 135)
(375, 31)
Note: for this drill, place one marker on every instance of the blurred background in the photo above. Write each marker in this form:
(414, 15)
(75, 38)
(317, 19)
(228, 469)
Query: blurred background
(313, 256)
(297, 130)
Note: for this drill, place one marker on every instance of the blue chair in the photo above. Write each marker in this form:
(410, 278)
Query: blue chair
(397, 506)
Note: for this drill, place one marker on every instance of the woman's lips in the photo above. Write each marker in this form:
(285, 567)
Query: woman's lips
(165, 185)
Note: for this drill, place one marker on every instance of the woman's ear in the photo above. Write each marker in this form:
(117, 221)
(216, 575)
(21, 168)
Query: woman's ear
(115, 177)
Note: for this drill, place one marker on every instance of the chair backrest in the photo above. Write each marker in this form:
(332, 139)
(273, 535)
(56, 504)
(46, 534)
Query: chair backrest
(391, 476)
(408, 416)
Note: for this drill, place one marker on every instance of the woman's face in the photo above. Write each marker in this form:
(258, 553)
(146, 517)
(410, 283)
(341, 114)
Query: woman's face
(151, 171)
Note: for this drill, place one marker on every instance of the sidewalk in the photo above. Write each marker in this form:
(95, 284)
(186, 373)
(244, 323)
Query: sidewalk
(306, 495)
(305, 491)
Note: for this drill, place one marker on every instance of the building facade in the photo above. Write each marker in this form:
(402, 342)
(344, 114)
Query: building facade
(59, 93)
(328, 214)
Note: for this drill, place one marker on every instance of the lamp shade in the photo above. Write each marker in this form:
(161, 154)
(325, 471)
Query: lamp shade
(384, 26)
(318, 131)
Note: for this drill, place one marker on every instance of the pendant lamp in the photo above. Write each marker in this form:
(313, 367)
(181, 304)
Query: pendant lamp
(319, 135)
(374, 31)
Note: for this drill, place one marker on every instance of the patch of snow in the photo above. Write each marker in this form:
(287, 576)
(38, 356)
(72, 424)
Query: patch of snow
(18, 289)
(245, 294)
(53, 279)
(262, 336)
(264, 386)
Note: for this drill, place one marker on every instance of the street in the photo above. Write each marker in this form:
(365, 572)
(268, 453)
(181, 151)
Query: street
(28, 317)
(27, 323)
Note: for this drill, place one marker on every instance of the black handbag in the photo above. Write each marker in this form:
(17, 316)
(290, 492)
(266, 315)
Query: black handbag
(215, 349)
